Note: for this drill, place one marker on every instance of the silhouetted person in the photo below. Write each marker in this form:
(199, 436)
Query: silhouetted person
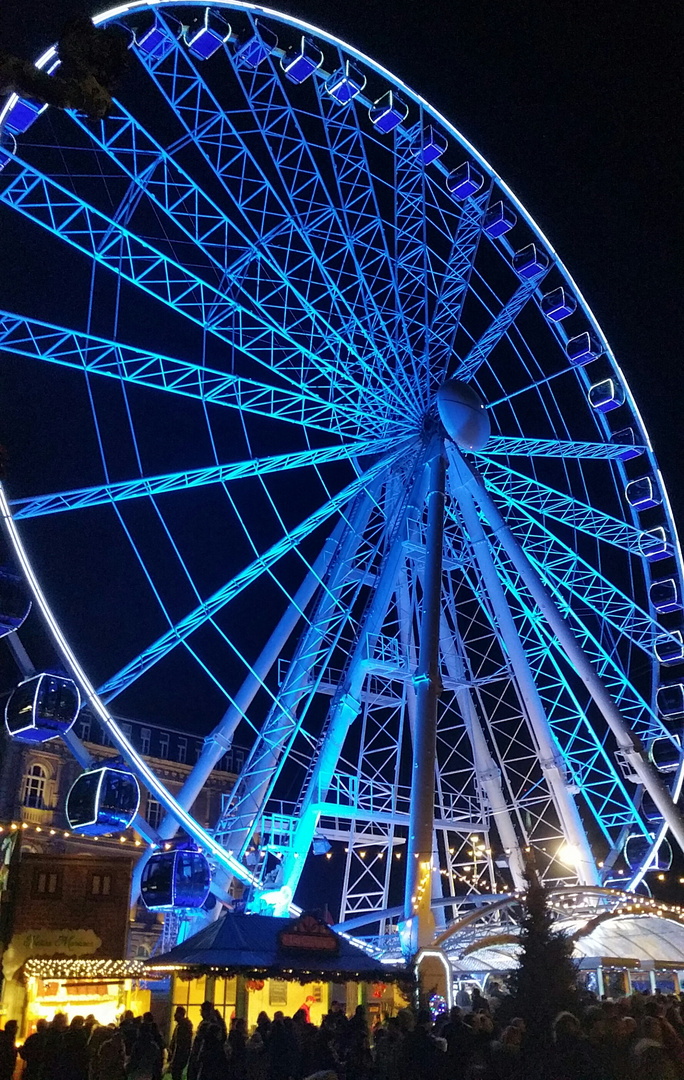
(181, 1044)
(145, 1062)
(74, 1052)
(33, 1052)
(8, 1050)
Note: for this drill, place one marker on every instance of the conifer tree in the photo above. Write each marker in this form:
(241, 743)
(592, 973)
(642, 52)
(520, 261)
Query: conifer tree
(545, 982)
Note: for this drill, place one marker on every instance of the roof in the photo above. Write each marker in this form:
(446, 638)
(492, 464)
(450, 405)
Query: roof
(263, 946)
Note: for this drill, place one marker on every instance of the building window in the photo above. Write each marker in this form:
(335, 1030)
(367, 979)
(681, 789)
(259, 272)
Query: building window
(239, 759)
(101, 885)
(145, 736)
(277, 992)
(198, 750)
(182, 751)
(163, 746)
(34, 787)
(84, 729)
(47, 884)
(126, 728)
(153, 812)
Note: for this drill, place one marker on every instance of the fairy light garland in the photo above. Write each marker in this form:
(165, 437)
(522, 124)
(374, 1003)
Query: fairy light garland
(84, 969)
(50, 833)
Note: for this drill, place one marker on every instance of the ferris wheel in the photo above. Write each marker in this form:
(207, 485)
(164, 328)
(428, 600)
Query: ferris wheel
(343, 463)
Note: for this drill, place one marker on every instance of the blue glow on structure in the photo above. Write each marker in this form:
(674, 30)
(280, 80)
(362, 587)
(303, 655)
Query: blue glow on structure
(639, 441)
(102, 800)
(178, 879)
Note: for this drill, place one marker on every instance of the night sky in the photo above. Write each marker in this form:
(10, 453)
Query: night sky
(578, 106)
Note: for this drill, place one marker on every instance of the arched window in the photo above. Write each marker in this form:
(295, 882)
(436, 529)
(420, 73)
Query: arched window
(34, 787)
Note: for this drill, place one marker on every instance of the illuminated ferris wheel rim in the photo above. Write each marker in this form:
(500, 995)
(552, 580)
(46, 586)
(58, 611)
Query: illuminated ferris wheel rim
(125, 10)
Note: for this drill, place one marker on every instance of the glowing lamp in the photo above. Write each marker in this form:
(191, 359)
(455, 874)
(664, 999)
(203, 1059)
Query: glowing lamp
(42, 707)
(102, 800)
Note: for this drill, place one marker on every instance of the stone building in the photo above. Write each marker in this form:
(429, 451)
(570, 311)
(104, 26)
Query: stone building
(35, 780)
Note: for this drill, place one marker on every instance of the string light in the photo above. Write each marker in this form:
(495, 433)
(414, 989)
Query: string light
(94, 968)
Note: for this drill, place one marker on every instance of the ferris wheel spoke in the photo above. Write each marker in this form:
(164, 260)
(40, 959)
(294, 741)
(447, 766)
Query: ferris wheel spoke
(516, 489)
(590, 764)
(42, 200)
(365, 232)
(254, 273)
(454, 285)
(99, 356)
(510, 446)
(287, 715)
(567, 572)
(498, 328)
(314, 247)
(104, 494)
(547, 749)
(631, 750)
(215, 603)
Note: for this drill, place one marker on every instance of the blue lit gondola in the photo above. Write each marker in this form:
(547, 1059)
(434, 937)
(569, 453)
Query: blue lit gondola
(42, 707)
(102, 800)
(175, 879)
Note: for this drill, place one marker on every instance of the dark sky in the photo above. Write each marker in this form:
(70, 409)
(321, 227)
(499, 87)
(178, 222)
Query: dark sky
(578, 105)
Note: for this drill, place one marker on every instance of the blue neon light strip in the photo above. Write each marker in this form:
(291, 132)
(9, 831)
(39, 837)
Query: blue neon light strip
(207, 610)
(510, 446)
(82, 498)
(71, 348)
(49, 204)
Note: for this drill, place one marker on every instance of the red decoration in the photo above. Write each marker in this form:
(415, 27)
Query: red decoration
(255, 984)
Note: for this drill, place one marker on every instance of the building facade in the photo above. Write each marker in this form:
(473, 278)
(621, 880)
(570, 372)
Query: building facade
(35, 780)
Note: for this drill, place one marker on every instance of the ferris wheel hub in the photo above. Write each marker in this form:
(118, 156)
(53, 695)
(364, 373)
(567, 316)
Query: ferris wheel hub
(463, 414)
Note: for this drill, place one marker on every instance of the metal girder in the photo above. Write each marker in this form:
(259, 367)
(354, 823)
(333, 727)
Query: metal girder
(511, 446)
(497, 329)
(103, 494)
(566, 571)
(345, 705)
(454, 286)
(112, 245)
(520, 490)
(256, 273)
(210, 607)
(286, 715)
(627, 741)
(99, 356)
(590, 765)
(549, 753)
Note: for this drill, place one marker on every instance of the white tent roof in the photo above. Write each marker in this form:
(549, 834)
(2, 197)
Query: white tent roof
(644, 938)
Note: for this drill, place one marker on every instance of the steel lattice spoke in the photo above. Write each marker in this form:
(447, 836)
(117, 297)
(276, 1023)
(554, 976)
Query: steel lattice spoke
(98, 356)
(103, 494)
(214, 604)
(49, 204)
(509, 446)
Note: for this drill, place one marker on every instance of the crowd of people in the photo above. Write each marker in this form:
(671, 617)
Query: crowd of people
(635, 1038)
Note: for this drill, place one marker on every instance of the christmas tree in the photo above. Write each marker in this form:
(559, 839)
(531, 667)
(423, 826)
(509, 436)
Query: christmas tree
(545, 982)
